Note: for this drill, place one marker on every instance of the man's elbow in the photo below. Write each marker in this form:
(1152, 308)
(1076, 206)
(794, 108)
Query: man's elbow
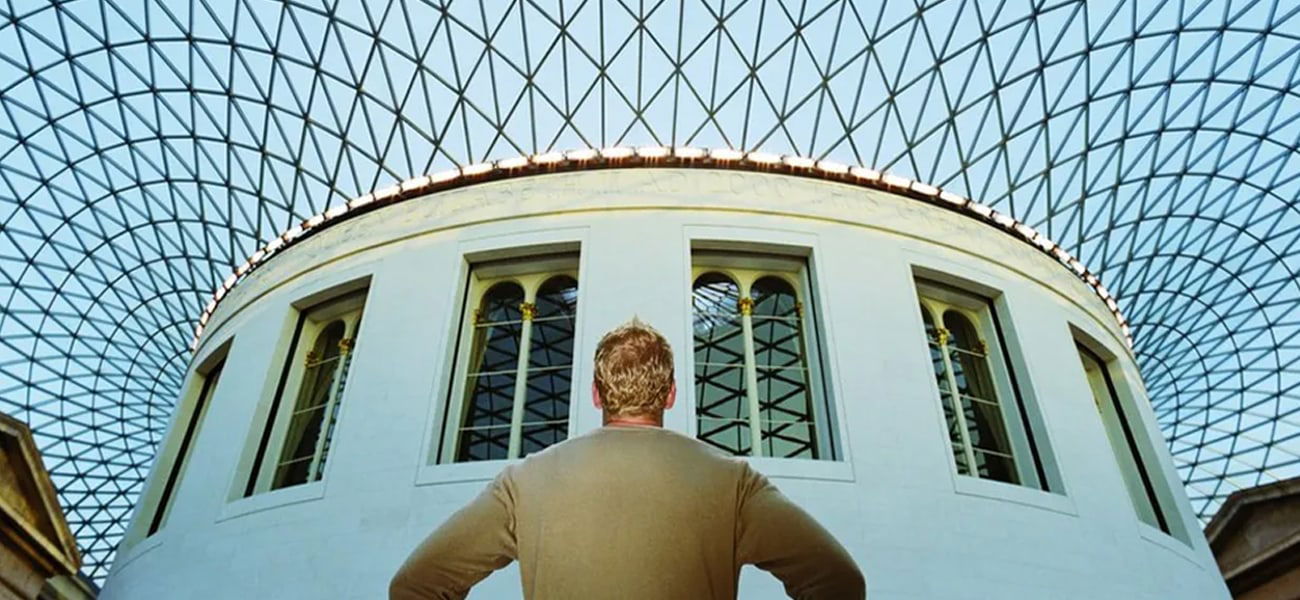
(846, 580)
(853, 582)
(407, 584)
(831, 578)
(403, 586)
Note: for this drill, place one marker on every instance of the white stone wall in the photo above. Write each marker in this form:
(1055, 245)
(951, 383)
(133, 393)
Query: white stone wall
(917, 529)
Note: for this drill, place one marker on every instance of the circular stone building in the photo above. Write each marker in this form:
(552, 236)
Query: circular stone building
(948, 391)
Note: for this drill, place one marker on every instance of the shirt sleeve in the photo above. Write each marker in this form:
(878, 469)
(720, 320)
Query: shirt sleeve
(775, 535)
(471, 544)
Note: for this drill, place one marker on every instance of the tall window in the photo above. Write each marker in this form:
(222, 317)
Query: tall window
(757, 389)
(1141, 490)
(297, 441)
(984, 415)
(515, 361)
(176, 471)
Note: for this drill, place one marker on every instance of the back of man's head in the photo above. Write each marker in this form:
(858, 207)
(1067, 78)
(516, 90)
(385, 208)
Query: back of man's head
(634, 371)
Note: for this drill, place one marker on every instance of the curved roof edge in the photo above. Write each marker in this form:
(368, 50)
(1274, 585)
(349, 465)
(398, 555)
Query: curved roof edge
(622, 157)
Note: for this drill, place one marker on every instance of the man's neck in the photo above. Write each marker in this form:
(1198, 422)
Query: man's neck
(644, 421)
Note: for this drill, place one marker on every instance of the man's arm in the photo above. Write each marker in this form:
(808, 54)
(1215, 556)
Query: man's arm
(779, 537)
(467, 547)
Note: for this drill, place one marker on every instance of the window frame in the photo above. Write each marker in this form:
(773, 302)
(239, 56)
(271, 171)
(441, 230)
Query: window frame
(176, 470)
(744, 268)
(1028, 458)
(1116, 424)
(529, 273)
(939, 300)
(348, 305)
(172, 460)
(1128, 396)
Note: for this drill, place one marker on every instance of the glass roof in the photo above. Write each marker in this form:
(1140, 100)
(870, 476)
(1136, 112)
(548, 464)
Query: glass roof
(149, 146)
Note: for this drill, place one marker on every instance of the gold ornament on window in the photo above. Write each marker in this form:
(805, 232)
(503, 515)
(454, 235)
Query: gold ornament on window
(941, 336)
(528, 309)
(312, 357)
(746, 305)
(345, 345)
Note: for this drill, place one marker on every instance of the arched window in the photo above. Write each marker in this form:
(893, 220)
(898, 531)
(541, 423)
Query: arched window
(298, 440)
(490, 382)
(785, 405)
(939, 362)
(721, 390)
(514, 396)
(754, 388)
(309, 411)
(985, 432)
(550, 365)
(981, 410)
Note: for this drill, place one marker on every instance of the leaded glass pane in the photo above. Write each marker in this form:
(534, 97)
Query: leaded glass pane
(541, 436)
(722, 409)
(996, 466)
(721, 404)
(490, 381)
(309, 410)
(550, 365)
(986, 429)
(940, 369)
(954, 435)
(785, 404)
(484, 443)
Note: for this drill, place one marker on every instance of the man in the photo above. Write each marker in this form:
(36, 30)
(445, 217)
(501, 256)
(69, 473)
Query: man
(630, 510)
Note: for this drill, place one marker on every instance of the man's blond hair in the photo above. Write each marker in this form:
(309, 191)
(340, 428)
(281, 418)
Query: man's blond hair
(634, 370)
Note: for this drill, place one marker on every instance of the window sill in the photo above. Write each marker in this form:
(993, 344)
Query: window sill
(482, 470)
(128, 555)
(803, 468)
(258, 502)
(1010, 492)
(1169, 542)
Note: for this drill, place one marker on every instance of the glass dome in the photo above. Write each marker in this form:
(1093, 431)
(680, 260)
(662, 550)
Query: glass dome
(149, 147)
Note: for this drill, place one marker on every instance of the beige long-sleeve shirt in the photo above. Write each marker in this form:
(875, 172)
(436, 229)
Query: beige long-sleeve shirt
(630, 512)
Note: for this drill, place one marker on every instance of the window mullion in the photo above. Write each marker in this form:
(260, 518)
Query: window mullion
(457, 405)
(957, 409)
(529, 310)
(751, 377)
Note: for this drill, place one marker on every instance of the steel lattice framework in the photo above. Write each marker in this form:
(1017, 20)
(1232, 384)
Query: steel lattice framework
(147, 146)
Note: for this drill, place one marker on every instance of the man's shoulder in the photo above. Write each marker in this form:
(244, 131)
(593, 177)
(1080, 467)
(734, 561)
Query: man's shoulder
(639, 435)
(618, 439)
